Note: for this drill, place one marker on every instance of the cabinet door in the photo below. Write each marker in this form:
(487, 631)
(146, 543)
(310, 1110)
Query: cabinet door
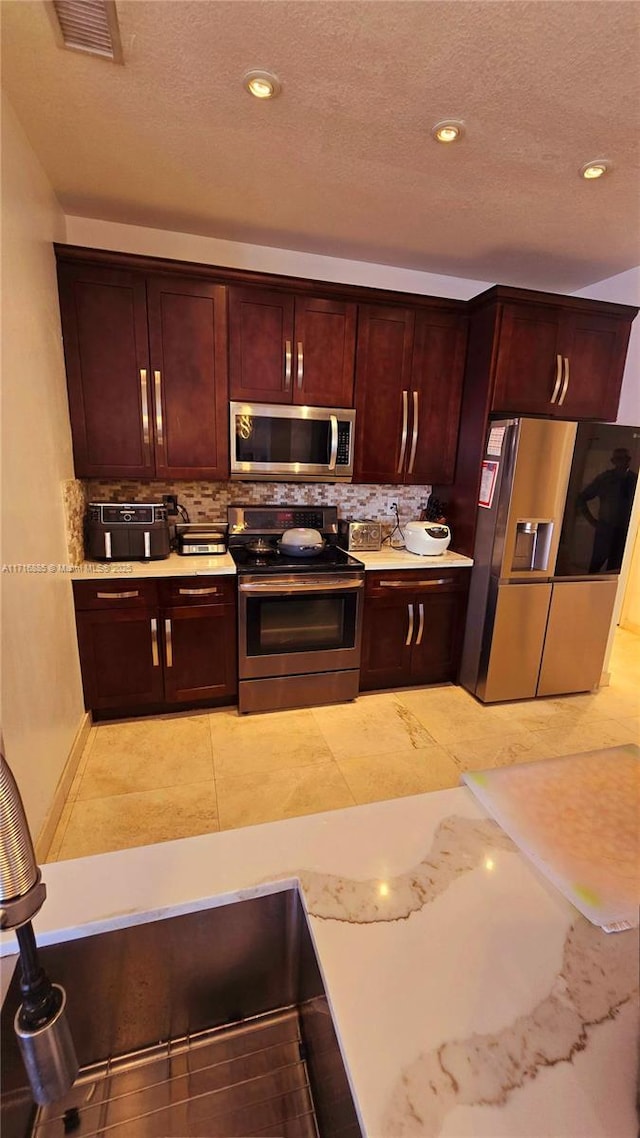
(389, 622)
(383, 381)
(199, 652)
(528, 355)
(260, 345)
(104, 328)
(595, 347)
(436, 392)
(436, 649)
(119, 658)
(324, 352)
(187, 336)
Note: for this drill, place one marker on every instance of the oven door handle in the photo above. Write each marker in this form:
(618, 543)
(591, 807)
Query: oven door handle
(334, 442)
(332, 586)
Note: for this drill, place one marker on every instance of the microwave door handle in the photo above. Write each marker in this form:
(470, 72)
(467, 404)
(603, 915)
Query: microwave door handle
(334, 442)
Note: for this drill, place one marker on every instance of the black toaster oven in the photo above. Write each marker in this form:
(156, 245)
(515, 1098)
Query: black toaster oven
(126, 531)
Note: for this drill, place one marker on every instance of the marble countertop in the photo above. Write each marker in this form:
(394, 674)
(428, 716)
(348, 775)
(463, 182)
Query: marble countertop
(471, 1000)
(177, 566)
(387, 558)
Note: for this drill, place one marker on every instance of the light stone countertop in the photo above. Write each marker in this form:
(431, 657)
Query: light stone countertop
(470, 998)
(177, 566)
(388, 558)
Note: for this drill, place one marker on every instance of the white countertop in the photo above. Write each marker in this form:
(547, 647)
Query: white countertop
(174, 565)
(177, 566)
(387, 558)
(470, 998)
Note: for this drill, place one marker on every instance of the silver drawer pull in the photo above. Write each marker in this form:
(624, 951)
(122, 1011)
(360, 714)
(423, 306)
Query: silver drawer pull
(155, 657)
(421, 624)
(410, 629)
(118, 596)
(199, 592)
(168, 643)
(416, 584)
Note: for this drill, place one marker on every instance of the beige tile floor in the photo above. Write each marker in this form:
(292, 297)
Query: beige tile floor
(151, 780)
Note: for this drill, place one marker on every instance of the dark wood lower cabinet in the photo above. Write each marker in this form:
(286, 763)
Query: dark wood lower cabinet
(413, 625)
(139, 651)
(119, 658)
(200, 652)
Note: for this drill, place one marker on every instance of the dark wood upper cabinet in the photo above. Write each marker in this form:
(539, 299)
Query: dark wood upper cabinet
(595, 349)
(188, 341)
(529, 359)
(437, 374)
(325, 349)
(104, 324)
(146, 373)
(560, 359)
(409, 372)
(260, 345)
(383, 382)
(291, 349)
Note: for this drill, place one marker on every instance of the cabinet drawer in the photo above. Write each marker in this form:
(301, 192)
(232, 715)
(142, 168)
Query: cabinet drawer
(198, 590)
(416, 581)
(115, 592)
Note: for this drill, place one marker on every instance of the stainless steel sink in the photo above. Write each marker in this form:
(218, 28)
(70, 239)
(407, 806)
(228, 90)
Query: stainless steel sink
(213, 1024)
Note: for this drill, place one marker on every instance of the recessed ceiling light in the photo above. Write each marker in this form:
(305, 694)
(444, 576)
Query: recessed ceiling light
(262, 84)
(592, 170)
(449, 130)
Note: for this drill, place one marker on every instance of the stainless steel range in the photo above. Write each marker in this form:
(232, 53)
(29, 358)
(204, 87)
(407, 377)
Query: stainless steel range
(299, 617)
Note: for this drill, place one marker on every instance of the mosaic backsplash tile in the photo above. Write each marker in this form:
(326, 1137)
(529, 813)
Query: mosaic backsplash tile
(74, 503)
(208, 501)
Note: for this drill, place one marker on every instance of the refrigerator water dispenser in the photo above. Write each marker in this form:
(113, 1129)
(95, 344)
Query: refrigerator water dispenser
(532, 545)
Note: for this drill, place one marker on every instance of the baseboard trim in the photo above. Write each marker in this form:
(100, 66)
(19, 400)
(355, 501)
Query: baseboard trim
(50, 824)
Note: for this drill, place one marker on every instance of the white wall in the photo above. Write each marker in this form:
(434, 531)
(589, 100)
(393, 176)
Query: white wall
(41, 697)
(97, 234)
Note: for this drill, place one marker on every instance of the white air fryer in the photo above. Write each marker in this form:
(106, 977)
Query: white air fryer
(427, 539)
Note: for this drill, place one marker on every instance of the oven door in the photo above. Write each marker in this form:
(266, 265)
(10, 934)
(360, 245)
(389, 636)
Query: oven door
(290, 625)
(294, 444)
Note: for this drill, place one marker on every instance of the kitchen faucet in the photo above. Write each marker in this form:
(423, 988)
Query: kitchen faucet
(40, 1023)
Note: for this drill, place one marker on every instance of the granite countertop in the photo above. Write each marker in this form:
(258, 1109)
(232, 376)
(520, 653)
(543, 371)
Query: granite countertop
(177, 566)
(470, 998)
(388, 558)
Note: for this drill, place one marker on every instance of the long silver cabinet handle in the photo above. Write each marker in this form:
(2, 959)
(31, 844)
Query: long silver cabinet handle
(414, 438)
(420, 624)
(558, 378)
(287, 363)
(144, 397)
(199, 592)
(333, 457)
(300, 364)
(565, 385)
(320, 586)
(155, 656)
(410, 628)
(168, 643)
(118, 596)
(413, 585)
(157, 379)
(405, 427)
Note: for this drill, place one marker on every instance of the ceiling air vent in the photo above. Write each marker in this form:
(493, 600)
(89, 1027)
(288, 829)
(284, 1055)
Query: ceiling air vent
(90, 26)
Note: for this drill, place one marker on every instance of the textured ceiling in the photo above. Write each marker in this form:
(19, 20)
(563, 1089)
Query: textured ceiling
(343, 162)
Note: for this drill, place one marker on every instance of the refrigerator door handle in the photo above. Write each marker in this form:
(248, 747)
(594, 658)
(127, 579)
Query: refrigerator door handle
(565, 385)
(558, 378)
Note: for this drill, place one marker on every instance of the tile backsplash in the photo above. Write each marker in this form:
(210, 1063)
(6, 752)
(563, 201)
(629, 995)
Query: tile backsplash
(208, 501)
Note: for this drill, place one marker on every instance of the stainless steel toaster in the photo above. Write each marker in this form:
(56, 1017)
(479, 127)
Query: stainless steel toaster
(363, 536)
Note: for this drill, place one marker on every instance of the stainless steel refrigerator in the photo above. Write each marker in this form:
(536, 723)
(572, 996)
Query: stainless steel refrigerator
(553, 517)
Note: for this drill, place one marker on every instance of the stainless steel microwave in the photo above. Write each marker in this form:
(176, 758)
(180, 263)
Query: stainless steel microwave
(291, 444)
